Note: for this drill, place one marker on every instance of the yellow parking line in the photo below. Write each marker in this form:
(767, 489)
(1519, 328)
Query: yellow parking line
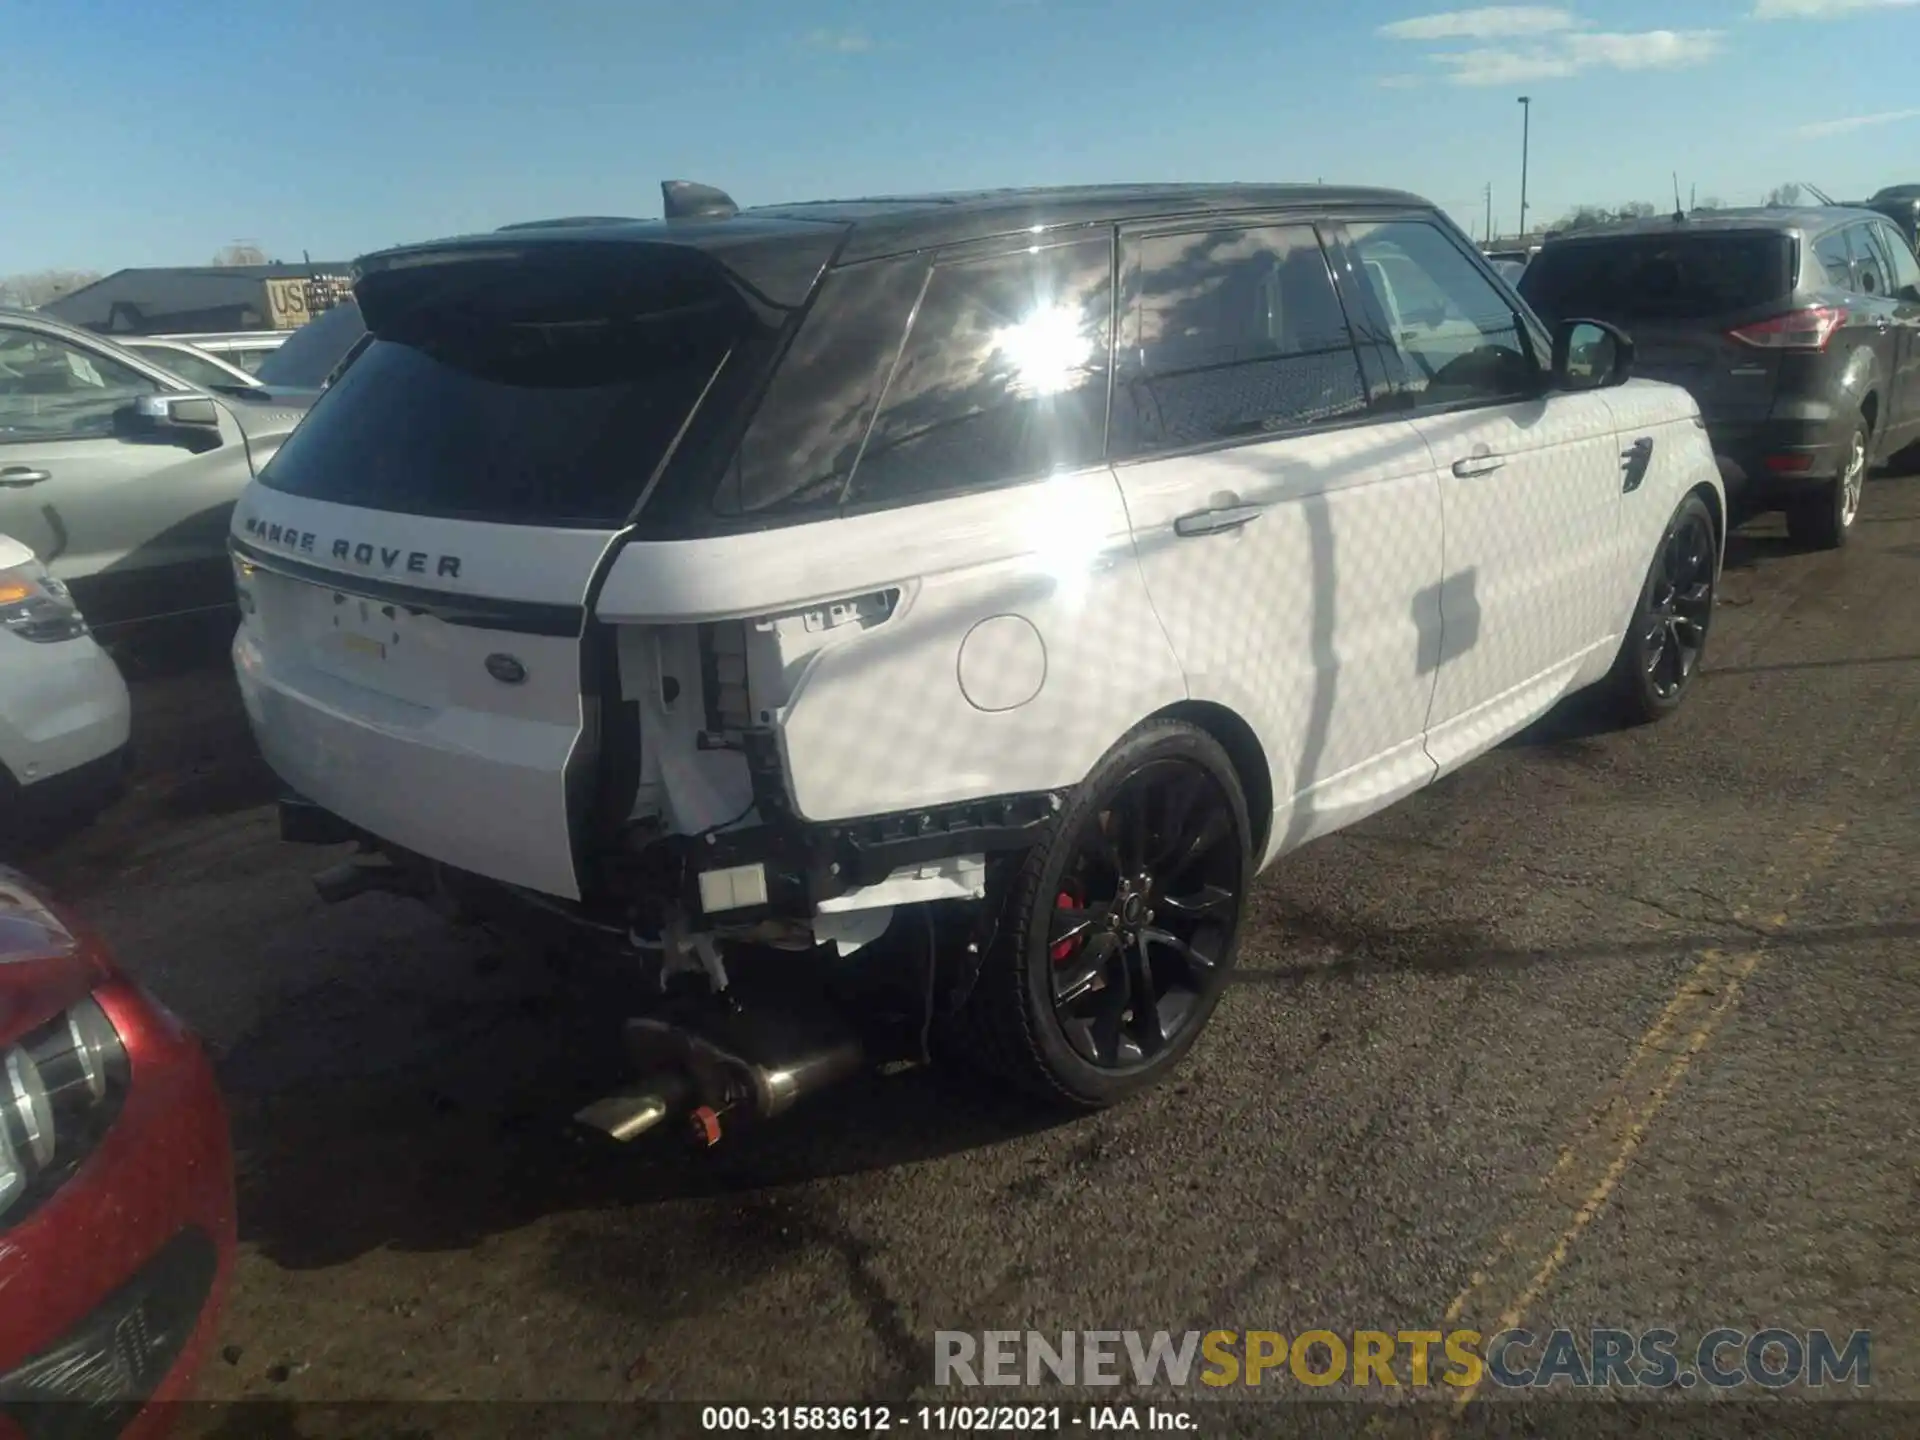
(1587, 1170)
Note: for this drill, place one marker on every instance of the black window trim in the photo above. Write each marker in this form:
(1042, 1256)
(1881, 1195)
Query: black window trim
(1381, 405)
(1407, 403)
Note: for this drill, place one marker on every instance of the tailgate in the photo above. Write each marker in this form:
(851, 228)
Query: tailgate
(1728, 380)
(445, 726)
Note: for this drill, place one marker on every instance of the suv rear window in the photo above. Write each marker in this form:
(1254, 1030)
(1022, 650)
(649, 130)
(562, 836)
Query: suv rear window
(1659, 277)
(307, 356)
(525, 393)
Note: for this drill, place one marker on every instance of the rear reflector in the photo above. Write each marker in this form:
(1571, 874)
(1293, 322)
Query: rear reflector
(1808, 329)
(1789, 464)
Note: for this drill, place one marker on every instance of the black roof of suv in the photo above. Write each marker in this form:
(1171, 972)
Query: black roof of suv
(895, 224)
(721, 367)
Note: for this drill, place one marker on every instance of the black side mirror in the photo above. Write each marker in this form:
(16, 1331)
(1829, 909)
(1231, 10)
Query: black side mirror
(1590, 355)
(189, 421)
(1908, 293)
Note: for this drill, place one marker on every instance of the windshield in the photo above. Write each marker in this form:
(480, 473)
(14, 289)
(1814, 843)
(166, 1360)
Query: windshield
(1659, 277)
(308, 355)
(196, 369)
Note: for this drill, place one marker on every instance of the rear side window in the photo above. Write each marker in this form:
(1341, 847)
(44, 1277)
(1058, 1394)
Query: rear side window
(1231, 333)
(1003, 377)
(1830, 253)
(1659, 277)
(526, 396)
(799, 451)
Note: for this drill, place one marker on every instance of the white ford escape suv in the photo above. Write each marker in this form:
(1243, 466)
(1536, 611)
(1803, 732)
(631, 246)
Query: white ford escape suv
(972, 592)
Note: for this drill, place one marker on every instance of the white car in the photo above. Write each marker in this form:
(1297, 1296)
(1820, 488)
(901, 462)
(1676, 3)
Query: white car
(972, 592)
(64, 713)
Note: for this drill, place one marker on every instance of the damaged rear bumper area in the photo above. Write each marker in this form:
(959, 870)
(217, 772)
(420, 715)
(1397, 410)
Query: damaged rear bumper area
(764, 880)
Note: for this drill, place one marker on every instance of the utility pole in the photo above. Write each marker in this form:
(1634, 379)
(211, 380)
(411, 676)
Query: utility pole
(1526, 135)
(1489, 212)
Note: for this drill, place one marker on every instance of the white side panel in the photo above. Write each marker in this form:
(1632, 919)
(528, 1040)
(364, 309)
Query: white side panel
(1532, 501)
(390, 715)
(62, 704)
(1319, 621)
(1682, 461)
(876, 719)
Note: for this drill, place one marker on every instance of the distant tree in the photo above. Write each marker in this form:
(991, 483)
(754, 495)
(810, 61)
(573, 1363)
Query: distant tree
(1711, 202)
(241, 252)
(1788, 194)
(37, 288)
(1584, 215)
(1635, 210)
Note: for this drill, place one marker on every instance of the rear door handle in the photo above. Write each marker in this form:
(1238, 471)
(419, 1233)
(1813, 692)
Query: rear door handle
(18, 477)
(1477, 465)
(1216, 522)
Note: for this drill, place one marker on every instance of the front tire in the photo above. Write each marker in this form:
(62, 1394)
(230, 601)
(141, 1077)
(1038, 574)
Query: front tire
(1661, 652)
(1118, 932)
(1824, 520)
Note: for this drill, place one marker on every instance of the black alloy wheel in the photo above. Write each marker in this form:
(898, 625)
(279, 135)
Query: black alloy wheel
(1117, 933)
(1146, 908)
(1680, 607)
(1663, 648)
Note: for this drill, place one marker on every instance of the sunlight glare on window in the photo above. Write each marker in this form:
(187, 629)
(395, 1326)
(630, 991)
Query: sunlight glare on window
(1049, 351)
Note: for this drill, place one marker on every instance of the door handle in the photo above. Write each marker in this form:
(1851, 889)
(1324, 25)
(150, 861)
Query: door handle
(1217, 522)
(1477, 465)
(18, 477)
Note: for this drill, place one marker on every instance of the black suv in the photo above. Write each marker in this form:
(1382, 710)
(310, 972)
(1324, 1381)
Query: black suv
(1797, 331)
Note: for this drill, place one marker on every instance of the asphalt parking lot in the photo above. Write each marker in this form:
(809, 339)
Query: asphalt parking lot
(1610, 1028)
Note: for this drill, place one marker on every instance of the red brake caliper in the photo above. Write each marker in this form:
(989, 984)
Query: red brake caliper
(1065, 900)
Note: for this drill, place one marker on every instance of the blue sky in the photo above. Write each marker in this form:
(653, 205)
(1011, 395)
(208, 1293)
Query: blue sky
(143, 135)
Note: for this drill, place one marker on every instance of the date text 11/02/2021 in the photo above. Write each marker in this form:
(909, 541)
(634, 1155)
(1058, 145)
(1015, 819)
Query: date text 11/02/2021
(940, 1419)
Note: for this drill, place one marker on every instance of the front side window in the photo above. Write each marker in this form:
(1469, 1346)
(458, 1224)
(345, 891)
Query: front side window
(1003, 377)
(1905, 268)
(50, 389)
(1458, 337)
(1229, 334)
(1835, 260)
(1872, 262)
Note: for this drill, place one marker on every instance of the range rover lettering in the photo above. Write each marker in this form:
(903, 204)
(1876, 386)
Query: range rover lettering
(908, 626)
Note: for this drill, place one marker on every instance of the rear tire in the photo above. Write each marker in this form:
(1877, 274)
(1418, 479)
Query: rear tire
(1824, 520)
(1136, 896)
(1665, 642)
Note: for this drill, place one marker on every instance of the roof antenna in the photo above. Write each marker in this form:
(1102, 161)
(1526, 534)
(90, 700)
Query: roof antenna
(1679, 211)
(687, 200)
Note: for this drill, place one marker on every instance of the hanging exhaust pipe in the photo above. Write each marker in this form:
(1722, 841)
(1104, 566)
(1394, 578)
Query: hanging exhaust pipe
(756, 1067)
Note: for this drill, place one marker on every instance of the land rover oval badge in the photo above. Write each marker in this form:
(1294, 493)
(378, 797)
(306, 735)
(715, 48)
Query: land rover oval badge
(506, 669)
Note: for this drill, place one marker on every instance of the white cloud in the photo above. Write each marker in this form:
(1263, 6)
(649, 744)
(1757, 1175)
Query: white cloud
(1821, 128)
(841, 42)
(1819, 9)
(1497, 22)
(1552, 43)
(1504, 67)
(1645, 50)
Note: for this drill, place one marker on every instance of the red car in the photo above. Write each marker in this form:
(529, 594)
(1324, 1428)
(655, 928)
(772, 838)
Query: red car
(116, 1187)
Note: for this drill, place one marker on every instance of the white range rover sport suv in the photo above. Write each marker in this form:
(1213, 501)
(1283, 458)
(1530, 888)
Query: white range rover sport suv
(908, 626)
